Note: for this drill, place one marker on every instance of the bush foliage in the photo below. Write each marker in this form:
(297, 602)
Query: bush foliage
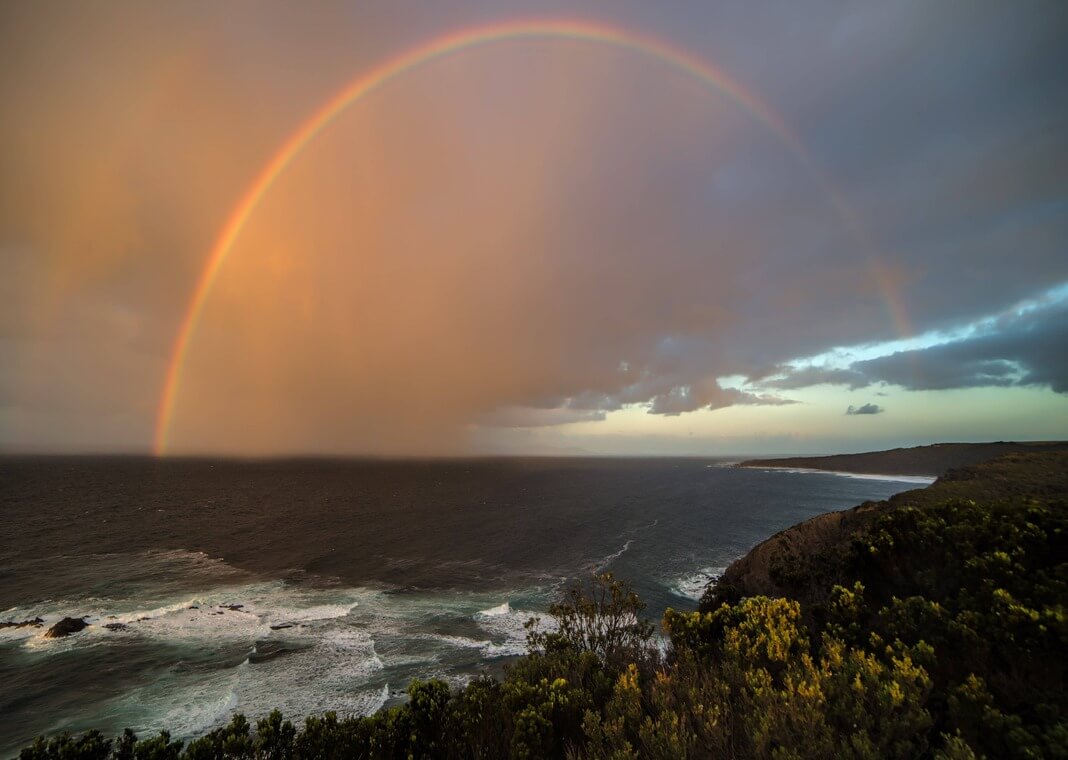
(948, 643)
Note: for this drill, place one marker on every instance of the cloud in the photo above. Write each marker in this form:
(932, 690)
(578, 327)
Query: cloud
(521, 235)
(864, 409)
(1017, 349)
(708, 395)
(806, 377)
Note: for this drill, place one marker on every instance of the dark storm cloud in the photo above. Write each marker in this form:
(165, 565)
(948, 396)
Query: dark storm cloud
(945, 149)
(864, 409)
(945, 130)
(1025, 349)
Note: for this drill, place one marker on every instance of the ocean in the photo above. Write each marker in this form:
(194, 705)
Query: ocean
(313, 585)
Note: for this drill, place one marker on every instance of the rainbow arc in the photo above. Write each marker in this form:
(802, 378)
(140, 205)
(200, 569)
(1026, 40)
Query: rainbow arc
(718, 81)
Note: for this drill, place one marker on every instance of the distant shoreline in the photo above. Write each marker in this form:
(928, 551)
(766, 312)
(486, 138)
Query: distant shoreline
(919, 461)
(895, 477)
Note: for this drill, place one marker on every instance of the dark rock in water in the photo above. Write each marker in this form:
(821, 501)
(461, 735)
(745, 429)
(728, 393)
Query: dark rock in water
(281, 626)
(194, 607)
(116, 627)
(232, 607)
(66, 627)
(36, 623)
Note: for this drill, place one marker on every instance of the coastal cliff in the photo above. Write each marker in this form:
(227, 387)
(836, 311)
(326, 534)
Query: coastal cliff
(804, 561)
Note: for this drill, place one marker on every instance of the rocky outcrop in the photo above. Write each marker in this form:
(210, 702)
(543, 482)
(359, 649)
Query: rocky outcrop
(35, 623)
(66, 627)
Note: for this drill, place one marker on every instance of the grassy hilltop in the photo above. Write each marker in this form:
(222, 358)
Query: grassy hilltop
(930, 625)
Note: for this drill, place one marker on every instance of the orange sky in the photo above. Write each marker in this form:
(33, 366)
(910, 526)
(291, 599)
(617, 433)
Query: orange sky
(515, 236)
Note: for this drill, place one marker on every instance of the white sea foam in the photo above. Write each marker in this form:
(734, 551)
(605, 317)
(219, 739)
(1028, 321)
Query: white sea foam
(500, 609)
(333, 667)
(510, 626)
(692, 586)
(486, 647)
(340, 667)
(239, 612)
(608, 560)
(255, 646)
(917, 479)
(195, 709)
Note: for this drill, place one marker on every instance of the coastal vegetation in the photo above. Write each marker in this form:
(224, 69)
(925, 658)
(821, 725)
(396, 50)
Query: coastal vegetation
(931, 625)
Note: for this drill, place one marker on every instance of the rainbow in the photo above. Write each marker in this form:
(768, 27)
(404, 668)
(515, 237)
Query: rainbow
(681, 60)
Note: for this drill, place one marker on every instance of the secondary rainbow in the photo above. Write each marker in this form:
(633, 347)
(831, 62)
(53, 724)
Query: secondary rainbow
(420, 55)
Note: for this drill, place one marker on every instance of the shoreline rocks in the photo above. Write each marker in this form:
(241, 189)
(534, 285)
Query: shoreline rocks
(66, 627)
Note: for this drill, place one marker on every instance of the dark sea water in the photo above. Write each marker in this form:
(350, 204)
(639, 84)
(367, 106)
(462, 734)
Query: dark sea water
(353, 576)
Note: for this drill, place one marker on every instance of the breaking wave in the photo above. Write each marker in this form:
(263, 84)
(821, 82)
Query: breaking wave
(251, 646)
(693, 585)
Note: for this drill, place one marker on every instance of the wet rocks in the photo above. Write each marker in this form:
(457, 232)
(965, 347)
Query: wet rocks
(35, 623)
(66, 627)
(116, 627)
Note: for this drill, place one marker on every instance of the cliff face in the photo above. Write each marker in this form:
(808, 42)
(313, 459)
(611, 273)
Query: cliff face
(934, 460)
(804, 561)
(769, 569)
